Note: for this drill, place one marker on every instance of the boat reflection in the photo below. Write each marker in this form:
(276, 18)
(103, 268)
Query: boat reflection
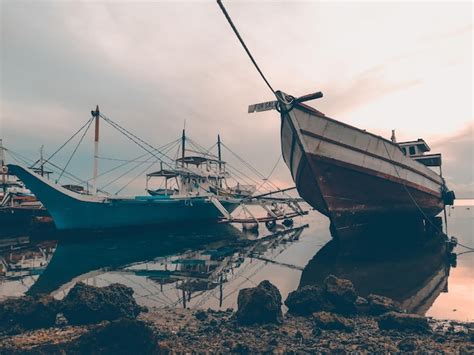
(414, 274)
(177, 264)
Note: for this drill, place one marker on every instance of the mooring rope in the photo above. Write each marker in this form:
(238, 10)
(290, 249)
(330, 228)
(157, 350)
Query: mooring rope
(224, 11)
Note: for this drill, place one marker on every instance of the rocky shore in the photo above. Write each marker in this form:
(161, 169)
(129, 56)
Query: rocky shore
(328, 318)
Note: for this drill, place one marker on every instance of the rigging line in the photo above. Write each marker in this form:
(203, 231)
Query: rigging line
(64, 144)
(271, 172)
(142, 172)
(70, 175)
(130, 161)
(74, 152)
(254, 170)
(126, 172)
(219, 2)
(17, 158)
(260, 175)
(134, 138)
(465, 246)
(409, 194)
(241, 175)
(129, 135)
(200, 149)
(113, 123)
(125, 160)
(75, 178)
(25, 160)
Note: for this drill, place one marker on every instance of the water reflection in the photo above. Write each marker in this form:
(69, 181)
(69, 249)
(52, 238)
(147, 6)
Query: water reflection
(193, 263)
(206, 266)
(414, 274)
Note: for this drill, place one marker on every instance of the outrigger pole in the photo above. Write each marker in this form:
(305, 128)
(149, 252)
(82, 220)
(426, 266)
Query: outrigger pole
(96, 115)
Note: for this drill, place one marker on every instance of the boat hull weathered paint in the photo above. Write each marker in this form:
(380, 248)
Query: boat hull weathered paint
(70, 210)
(352, 176)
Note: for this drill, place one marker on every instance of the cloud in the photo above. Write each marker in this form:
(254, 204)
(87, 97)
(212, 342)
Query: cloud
(152, 65)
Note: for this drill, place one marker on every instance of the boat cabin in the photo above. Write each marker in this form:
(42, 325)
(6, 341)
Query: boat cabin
(413, 148)
(193, 175)
(417, 149)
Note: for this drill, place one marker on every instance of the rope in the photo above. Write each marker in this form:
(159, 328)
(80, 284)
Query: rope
(28, 161)
(465, 246)
(64, 144)
(409, 194)
(271, 172)
(219, 2)
(140, 174)
(134, 160)
(74, 151)
(134, 139)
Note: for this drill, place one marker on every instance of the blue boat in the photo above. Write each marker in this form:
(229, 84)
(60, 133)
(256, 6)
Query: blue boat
(193, 189)
(72, 210)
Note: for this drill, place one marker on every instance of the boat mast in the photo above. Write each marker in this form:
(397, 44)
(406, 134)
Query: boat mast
(41, 161)
(219, 155)
(3, 167)
(96, 114)
(183, 146)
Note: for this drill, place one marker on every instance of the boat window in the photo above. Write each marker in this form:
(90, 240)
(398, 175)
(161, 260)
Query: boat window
(412, 151)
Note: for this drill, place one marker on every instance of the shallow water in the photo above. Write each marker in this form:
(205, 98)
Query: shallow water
(202, 267)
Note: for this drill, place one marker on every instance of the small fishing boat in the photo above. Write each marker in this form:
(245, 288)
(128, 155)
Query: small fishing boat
(18, 206)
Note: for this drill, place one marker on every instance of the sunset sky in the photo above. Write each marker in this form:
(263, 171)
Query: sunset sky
(153, 65)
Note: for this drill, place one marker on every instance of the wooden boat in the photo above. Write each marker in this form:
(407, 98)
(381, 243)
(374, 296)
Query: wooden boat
(352, 176)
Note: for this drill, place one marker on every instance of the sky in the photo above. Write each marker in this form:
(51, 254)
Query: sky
(155, 66)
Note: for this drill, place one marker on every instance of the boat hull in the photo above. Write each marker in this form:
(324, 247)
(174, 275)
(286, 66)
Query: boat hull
(354, 177)
(70, 210)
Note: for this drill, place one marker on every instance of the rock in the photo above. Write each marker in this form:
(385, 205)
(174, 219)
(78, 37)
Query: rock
(88, 304)
(404, 322)
(326, 320)
(28, 313)
(307, 300)
(316, 331)
(200, 315)
(408, 344)
(229, 343)
(259, 305)
(61, 321)
(273, 342)
(380, 304)
(241, 348)
(341, 293)
(361, 305)
(122, 336)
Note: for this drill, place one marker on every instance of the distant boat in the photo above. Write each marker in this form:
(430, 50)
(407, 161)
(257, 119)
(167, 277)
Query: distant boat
(355, 177)
(18, 206)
